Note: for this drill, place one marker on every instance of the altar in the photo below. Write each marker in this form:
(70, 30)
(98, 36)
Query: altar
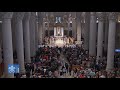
(59, 39)
(59, 42)
(59, 36)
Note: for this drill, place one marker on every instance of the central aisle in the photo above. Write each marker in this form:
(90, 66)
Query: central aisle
(64, 60)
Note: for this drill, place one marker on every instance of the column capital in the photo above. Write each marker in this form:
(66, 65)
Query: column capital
(19, 15)
(39, 14)
(33, 15)
(78, 14)
(106, 16)
(6, 15)
(112, 16)
(27, 15)
(93, 13)
(101, 16)
(36, 18)
(87, 13)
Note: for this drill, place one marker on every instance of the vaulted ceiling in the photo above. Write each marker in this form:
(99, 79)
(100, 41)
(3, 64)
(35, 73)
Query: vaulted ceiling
(58, 14)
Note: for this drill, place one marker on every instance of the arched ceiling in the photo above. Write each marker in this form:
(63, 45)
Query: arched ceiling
(59, 14)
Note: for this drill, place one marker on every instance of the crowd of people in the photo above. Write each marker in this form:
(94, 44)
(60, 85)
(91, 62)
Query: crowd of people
(48, 63)
(45, 64)
(87, 67)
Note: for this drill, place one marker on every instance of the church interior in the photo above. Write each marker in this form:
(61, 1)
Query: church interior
(59, 45)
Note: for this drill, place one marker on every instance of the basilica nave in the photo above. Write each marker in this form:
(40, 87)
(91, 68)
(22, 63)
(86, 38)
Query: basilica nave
(23, 34)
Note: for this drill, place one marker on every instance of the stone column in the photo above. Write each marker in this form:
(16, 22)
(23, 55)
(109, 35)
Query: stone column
(32, 34)
(106, 35)
(68, 28)
(1, 45)
(43, 28)
(7, 42)
(69, 18)
(87, 29)
(93, 32)
(100, 35)
(48, 29)
(36, 34)
(111, 40)
(74, 29)
(41, 33)
(13, 34)
(26, 33)
(40, 28)
(0, 54)
(78, 27)
(19, 40)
